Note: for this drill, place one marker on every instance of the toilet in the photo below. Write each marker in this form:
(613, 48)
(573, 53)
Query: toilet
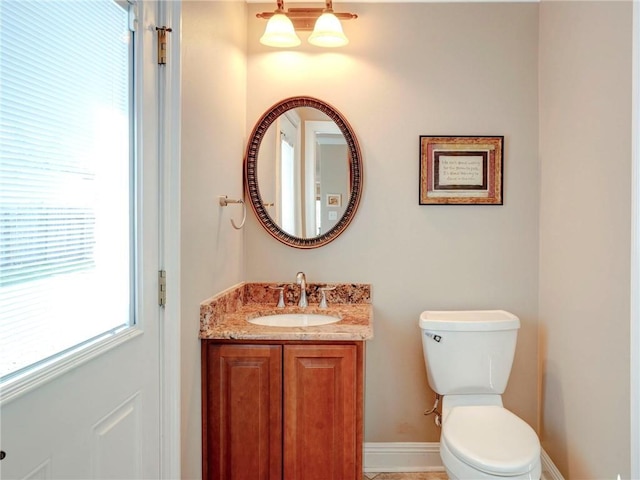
(468, 355)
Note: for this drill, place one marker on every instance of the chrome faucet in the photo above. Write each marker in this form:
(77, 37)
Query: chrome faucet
(301, 280)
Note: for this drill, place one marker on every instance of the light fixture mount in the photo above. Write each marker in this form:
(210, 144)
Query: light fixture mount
(304, 19)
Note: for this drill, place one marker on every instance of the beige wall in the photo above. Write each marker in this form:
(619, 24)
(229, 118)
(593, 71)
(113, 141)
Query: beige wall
(585, 156)
(556, 254)
(434, 69)
(213, 138)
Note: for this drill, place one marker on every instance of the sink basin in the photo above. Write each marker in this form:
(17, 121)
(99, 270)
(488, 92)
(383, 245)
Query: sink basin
(294, 320)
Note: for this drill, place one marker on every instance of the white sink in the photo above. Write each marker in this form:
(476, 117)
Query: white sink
(294, 320)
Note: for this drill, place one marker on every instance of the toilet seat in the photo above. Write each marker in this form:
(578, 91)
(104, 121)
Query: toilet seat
(491, 439)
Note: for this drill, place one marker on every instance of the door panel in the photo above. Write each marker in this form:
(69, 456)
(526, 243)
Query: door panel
(79, 425)
(119, 436)
(101, 419)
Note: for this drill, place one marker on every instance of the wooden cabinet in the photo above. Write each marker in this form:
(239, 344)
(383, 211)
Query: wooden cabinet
(241, 411)
(320, 412)
(274, 411)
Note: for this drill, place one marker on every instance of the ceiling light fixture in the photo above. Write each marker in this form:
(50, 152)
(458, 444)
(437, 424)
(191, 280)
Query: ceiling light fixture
(325, 23)
(279, 31)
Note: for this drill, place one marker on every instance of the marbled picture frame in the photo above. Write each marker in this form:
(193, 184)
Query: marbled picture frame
(461, 170)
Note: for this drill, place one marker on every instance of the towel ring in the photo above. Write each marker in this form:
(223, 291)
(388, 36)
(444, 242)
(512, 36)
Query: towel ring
(224, 201)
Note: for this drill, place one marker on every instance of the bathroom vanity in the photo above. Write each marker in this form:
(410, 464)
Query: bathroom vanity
(283, 402)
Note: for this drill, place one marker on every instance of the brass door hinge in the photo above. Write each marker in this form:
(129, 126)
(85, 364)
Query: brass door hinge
(162, 44)
(162, 288)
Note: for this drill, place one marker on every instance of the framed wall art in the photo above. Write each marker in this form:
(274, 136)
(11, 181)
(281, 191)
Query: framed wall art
(461, 170)
(334, 200)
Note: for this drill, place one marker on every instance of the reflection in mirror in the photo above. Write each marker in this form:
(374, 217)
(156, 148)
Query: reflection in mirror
(303, 172)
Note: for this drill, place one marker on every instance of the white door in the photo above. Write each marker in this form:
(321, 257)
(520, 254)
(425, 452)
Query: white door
(96, 413)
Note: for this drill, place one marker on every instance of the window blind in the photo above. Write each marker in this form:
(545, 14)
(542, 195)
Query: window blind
(65, 176)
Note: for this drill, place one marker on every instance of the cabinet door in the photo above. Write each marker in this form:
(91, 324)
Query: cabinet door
(242, 412)
(320, 418)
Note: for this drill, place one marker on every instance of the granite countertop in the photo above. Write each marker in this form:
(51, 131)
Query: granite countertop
(225, 315)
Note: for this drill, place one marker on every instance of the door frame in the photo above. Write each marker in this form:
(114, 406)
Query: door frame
(170, 15)
(634, 380)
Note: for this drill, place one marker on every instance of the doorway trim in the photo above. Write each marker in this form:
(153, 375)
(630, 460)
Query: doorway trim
(634, 381)
(170, 133)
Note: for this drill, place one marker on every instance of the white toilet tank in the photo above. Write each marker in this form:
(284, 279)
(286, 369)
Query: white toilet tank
(469, 351)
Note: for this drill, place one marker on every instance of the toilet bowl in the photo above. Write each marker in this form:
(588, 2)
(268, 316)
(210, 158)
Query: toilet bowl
(468, 355)
(488, 442)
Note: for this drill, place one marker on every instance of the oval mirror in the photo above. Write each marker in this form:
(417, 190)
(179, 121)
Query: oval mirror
(303, 172)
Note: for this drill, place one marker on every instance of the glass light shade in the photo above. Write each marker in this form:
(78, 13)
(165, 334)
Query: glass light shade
(279, 32)
(328, 32)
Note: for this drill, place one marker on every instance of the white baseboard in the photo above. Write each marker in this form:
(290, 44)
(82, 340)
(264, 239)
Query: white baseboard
(424, 457)
(402, 457)
(549, 470)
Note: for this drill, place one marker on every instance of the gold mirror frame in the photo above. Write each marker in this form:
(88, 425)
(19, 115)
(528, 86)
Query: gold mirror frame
(251, 172)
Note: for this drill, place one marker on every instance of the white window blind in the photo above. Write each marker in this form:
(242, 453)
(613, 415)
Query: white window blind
(65, 177)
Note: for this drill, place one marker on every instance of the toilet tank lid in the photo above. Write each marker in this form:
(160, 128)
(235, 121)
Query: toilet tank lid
(468, 320)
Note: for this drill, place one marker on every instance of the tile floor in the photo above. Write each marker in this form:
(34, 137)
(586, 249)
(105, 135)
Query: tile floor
(406, 476)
